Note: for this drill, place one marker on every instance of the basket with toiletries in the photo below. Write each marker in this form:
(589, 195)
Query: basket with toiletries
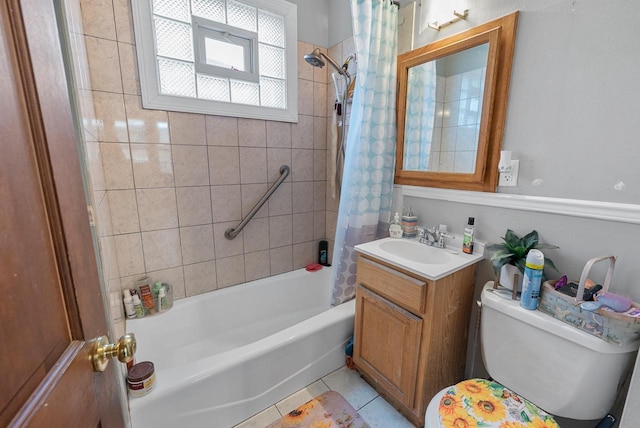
(592, 308)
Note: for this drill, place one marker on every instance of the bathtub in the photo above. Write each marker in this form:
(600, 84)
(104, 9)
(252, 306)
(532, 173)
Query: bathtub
(223, 356)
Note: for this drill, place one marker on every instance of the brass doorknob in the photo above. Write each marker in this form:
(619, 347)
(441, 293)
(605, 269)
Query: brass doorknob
(102, 351)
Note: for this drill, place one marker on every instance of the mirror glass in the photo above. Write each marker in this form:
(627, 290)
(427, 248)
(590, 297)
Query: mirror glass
(452, 102)
(443, 110)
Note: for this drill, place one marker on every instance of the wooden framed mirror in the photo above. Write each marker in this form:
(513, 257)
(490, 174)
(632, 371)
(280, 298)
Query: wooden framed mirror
(452, 103)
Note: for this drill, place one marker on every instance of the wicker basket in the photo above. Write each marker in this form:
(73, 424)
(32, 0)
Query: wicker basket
(614, 327)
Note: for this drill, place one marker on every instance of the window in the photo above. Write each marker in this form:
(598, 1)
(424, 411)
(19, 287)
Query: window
(225, 57)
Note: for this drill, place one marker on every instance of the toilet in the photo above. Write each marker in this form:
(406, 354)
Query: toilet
(538, 365)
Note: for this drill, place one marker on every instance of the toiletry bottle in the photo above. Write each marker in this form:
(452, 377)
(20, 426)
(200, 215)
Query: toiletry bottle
(467, 239)
(532, 280)
(128, 304)
(162, 300)
(395, 230)
(137, 304)
(323, 254)
(409, 224)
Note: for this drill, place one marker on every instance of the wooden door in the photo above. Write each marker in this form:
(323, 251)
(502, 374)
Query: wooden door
(50, 300)
(387, 344)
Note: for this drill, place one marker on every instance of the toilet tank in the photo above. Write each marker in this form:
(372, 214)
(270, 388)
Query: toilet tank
(561, 369)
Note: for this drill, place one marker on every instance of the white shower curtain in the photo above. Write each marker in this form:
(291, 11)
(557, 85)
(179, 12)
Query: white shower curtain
(365, 199)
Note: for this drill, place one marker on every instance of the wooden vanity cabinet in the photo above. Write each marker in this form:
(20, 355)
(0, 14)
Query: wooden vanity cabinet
(411, 332)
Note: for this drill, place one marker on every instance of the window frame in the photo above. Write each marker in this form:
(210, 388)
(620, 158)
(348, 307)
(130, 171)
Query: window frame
(152, 98)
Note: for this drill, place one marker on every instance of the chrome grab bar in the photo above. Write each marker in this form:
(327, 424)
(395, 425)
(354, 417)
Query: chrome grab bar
(232, 233)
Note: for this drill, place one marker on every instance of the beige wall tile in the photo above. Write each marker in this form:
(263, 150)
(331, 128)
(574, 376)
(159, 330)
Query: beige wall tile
(319, 195)
(335, 52)
(172, 276)
(275, 159)
(281, 259)
(197, 244)
(129, 69)
(253, 165)
(102, 209)
(161, 249)
(194, 205)
(302, 133)
(319, 221)
(130, 256)
(251, 194)
(116, 161)
(331, 224)
(224, 165)
(97, 18)
(280, 231)
(301, 165)
(320, 165)
(281, 201)
(111, 117)
(230, 271)
(104, 64)
(257, 265)
(305, 97)
(226, 202)
(320, 99)
(146, 126)
(278, 134)
(190, 165)
(256, 235)
(109, 257)
(303, 254)
(200, 278)
(332, 201)
(302, 196)
(302, 227)
(252, 133)
(320, 136)
(222, 131)
(124, 19)
(124, 211)
(152, 165)
(187, 128)
(305, 70)
(157, 208)
(227, 247)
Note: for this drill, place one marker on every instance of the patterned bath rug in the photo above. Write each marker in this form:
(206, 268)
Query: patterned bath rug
(329, 409)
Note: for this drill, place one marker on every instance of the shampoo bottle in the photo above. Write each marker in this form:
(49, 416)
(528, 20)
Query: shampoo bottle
(128, 304)
(467, 239)
(395, 230)
(532, 280)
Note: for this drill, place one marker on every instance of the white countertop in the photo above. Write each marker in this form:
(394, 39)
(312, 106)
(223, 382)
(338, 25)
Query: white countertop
(457, 259)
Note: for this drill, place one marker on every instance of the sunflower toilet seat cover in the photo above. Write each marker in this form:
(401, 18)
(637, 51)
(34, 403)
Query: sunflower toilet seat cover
(482, 403)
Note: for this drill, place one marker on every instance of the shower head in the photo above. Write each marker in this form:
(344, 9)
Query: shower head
(315, 59)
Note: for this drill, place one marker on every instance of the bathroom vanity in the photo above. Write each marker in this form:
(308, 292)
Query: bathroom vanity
(412, 320)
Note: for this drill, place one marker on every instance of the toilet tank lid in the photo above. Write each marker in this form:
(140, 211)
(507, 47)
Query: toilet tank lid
(500, 300)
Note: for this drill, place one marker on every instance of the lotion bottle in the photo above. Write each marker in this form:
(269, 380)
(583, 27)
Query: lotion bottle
(128, 304)
(467, 239)
(395, 229)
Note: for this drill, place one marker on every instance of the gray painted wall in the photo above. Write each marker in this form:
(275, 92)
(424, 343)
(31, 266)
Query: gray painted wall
(313, 21)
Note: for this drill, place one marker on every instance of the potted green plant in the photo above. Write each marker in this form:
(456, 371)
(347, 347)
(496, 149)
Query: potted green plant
(509, 257)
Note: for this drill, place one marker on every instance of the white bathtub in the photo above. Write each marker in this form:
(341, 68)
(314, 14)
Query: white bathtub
(223, 356)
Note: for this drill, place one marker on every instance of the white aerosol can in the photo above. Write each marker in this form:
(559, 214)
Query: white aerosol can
(532, 280)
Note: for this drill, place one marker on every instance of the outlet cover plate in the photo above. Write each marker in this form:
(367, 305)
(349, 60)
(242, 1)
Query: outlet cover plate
(510, 179)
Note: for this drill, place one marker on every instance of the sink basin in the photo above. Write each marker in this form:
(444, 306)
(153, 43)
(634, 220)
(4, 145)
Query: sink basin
(416, 252)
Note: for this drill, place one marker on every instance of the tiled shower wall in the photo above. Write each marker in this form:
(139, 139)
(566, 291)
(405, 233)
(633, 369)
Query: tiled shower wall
(165, 185)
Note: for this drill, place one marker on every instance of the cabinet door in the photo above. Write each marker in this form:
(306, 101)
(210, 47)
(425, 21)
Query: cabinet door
(387, 344)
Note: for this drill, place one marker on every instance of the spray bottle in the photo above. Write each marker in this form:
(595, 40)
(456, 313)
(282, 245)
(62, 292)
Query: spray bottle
(532, 280)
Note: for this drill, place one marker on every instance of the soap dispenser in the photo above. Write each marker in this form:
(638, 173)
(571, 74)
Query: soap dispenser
(395, 230)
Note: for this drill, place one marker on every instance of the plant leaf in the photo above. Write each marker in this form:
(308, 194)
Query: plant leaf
(520, 251)
(547, 246)
(520, 264)
(548, 263)
(496, 247)
(511, 238)
(530, 240)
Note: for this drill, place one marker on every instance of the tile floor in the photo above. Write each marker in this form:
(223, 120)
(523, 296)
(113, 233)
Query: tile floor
(371, 406)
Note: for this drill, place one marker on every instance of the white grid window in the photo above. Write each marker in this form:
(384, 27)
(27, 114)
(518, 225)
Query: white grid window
(225, 57)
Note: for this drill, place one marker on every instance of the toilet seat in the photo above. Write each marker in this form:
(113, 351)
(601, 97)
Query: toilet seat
(478, 400)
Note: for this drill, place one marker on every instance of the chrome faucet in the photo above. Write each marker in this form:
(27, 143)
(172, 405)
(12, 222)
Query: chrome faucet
(434, 237)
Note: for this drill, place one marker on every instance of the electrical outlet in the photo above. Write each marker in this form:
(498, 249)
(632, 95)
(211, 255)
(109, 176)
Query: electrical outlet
(510, 179)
